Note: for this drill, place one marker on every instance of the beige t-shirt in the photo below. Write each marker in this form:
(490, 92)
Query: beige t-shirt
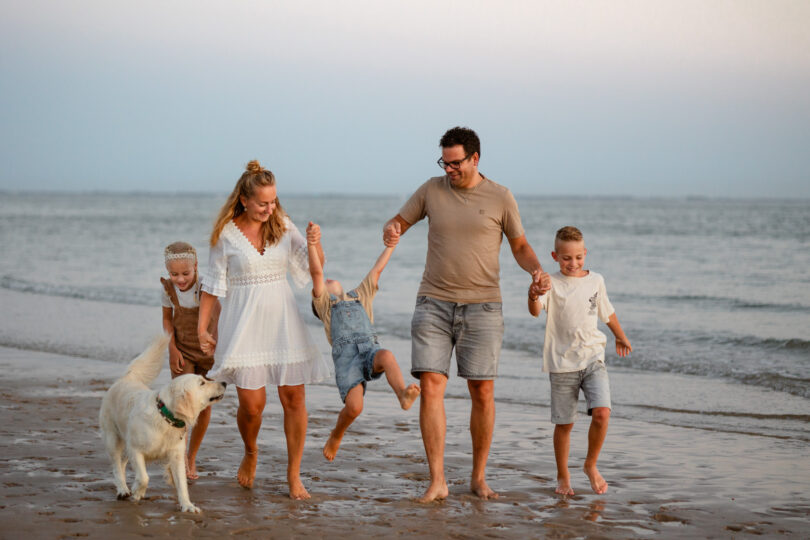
(323, 304)
(465, 230)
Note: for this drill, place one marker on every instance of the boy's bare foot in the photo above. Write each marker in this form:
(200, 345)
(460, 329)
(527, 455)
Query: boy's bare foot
(332, 445)
(482, 490)
(435, 492)
(409, 395)
(564, 486)
(247, 469)
(297, 490)
(598, 484)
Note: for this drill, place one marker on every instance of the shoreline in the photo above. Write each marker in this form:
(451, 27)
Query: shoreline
(682, 482)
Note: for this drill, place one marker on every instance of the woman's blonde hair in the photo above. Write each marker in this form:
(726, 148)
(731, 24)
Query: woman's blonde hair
(255, 176)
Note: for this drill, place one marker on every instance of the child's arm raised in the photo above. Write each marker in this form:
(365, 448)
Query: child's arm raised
(315, 252)
(623, 346)
(379, 266)
(535, 306)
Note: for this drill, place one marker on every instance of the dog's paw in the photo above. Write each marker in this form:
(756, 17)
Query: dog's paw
(123, 495)
(190, 508)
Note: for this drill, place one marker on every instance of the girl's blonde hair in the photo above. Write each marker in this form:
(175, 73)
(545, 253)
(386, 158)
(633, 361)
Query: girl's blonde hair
(255, 176)
(180, 250)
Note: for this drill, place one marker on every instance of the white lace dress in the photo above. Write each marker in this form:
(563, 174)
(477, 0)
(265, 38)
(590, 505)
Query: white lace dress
(262, 339)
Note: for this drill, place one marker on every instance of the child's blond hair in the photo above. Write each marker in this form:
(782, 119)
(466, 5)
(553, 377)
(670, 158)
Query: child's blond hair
(568, 234)
(179, 250)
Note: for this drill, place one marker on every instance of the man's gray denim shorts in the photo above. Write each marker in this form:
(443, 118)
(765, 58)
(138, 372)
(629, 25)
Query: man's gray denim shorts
(474, 330)
(594, 383)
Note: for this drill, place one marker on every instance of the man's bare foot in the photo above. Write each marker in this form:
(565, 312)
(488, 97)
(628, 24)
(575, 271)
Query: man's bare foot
(297, 490)
(435, 492)
(564, 486)
(191, 469)
(482, 490)
(409, 395)
(598, 484)
(330, 449)
(247, 469)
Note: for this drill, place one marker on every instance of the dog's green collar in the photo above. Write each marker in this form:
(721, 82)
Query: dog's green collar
(168, 416)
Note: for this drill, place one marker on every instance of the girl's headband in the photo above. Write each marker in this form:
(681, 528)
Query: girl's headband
(184, 255)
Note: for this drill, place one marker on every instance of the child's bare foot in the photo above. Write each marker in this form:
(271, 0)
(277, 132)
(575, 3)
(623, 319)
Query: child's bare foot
(297, 490)
(564, 486)
(598, 484)
(332, 445)
(408, 396)
(247, 469)
(435, 492)
(482, 490)
(191, 469)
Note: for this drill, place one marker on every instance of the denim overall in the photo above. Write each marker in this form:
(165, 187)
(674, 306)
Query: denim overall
(354, 344)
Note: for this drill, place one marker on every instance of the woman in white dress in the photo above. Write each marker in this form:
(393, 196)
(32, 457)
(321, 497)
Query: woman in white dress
(262, 339)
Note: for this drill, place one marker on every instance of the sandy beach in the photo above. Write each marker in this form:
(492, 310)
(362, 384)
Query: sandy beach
(663, 480)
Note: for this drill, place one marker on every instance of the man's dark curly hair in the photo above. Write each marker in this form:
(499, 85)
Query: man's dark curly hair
(463, 136)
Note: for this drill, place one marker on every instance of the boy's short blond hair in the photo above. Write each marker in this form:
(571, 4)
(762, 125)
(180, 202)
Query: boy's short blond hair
(568, 234)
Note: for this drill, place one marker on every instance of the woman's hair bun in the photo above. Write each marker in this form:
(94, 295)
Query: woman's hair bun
(254, 167)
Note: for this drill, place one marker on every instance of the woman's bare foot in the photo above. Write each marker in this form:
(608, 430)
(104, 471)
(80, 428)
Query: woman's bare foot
(409, 395)
(247, 469)
(564, 486)
(598, 484)
(330, 449)
(435, 492)
(482, 490)
(297, 490)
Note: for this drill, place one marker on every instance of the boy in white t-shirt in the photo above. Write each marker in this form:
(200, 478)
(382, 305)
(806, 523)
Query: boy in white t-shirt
(574, 352)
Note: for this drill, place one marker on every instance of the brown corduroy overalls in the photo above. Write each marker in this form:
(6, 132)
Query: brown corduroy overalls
(184, 321)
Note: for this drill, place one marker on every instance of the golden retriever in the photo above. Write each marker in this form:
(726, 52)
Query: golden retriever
(140, 425)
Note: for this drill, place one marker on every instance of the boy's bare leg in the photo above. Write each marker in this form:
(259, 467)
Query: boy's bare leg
(433, 424)
(596, 437)
(482, 423)
(562, 445)
(194, 442)
(385, 361)
(293, 402)
(351, 410)
(249, 420)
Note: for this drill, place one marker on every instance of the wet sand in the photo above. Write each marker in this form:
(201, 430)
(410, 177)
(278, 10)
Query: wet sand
(682, 483)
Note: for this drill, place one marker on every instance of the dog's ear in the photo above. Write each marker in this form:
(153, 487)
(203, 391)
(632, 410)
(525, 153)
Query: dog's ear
(184, 407)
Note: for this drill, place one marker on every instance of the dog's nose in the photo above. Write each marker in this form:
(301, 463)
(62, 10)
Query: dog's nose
(224, 385)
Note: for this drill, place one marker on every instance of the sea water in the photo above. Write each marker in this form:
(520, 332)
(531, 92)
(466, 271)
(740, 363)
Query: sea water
(713, 294)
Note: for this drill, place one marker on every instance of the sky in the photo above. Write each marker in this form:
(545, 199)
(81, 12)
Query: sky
(627, 98)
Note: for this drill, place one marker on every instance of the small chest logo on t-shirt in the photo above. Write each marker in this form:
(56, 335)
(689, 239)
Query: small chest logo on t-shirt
(482, 211)
(593, 299)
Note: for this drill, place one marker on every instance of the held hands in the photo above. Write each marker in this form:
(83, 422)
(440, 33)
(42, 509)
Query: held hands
(207, 343)
(391, 233)
(623, 346)
(541, 284)
(313, 234)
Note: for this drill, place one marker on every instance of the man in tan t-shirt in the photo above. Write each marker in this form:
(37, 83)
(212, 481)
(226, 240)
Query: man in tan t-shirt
(459, 301)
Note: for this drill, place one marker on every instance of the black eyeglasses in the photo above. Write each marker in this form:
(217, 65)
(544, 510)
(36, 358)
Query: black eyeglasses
(453, 164)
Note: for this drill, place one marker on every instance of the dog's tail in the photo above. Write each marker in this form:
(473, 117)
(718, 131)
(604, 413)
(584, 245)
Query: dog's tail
(146, 367)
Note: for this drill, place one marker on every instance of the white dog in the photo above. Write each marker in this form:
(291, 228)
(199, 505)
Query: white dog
(140, 425)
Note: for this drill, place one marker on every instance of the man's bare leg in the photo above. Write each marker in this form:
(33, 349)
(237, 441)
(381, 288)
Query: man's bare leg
(482, 423)
(351, 410)
(385, 361)
(596, 437)
(433, 424)
(293, 401)
(562, 445)
(249, 420)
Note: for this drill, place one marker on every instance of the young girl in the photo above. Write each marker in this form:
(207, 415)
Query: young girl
(181, 306)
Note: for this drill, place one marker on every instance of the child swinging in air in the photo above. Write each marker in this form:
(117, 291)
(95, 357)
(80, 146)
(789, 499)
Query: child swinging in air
(181, 306)
(347, 319)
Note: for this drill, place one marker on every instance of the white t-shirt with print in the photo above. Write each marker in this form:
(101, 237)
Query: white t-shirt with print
(574, 306)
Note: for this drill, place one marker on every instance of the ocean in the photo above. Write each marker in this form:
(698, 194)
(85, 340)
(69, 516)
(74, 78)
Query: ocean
(713, 294)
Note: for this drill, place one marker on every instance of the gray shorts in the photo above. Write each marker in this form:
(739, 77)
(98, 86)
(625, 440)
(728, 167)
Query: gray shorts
(594, 383)
(474, 330)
